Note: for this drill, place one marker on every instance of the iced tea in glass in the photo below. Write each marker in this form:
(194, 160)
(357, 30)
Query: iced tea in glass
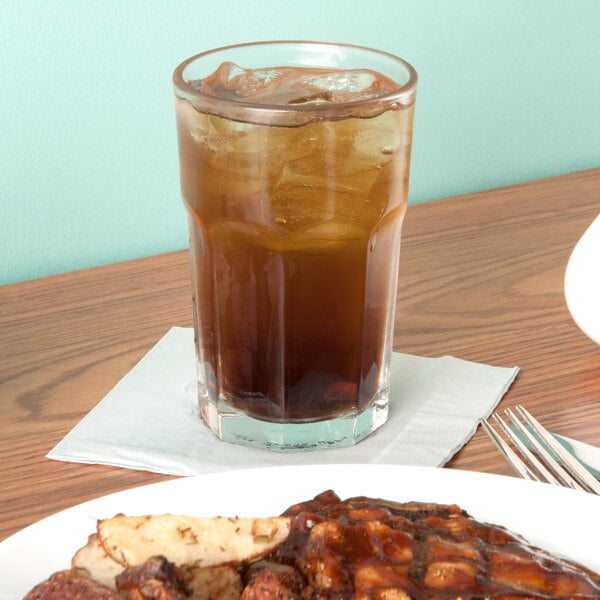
(294, 160)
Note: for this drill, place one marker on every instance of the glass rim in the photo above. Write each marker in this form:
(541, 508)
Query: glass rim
(403, 95)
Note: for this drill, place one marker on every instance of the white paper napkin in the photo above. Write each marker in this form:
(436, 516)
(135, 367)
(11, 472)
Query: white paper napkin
(150, 419)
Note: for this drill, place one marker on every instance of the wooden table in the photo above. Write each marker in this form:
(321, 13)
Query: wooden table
(481, 278)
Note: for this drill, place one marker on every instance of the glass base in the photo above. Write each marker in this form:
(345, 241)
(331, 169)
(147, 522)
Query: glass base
(231, 425)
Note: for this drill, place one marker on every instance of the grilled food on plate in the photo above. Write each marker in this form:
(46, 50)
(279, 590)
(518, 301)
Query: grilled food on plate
(324, 548)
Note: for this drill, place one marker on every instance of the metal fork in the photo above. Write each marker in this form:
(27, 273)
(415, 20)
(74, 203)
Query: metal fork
(542, 457)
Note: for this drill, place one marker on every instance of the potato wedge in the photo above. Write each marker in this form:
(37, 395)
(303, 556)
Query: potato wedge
(204, 541)
(91, 560)
(215, 583)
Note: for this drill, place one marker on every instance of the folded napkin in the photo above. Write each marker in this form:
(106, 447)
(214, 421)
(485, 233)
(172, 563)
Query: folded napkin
(150, 419)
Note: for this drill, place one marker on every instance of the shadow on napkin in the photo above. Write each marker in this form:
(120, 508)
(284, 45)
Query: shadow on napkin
(150, 419)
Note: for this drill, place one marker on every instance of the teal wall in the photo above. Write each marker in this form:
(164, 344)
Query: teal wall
(509, 91)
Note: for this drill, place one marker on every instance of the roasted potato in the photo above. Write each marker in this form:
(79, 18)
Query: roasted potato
(93, 561)
(202, 541)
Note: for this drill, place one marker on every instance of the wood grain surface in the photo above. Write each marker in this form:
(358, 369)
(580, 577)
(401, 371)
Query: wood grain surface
(481, 278)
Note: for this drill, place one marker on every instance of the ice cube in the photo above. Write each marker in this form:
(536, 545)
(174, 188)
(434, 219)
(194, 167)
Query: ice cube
(328, 235)
(283, 85)
(345, 81)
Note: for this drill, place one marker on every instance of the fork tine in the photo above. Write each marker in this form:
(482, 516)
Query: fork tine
(531, 459)
(575, 468)
(518, 466)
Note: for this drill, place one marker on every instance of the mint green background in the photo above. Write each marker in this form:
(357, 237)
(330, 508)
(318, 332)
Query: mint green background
(509, 91)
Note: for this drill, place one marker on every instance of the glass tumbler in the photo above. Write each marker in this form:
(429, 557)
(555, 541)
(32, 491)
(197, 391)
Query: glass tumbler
(294, 164)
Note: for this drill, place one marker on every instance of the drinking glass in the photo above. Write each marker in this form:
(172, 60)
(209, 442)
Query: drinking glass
(294, 164)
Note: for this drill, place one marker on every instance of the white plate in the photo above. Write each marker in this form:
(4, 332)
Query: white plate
(560, 520)
(582, 282)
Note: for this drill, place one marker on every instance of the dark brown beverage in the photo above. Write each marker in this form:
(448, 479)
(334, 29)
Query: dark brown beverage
(295, 238)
